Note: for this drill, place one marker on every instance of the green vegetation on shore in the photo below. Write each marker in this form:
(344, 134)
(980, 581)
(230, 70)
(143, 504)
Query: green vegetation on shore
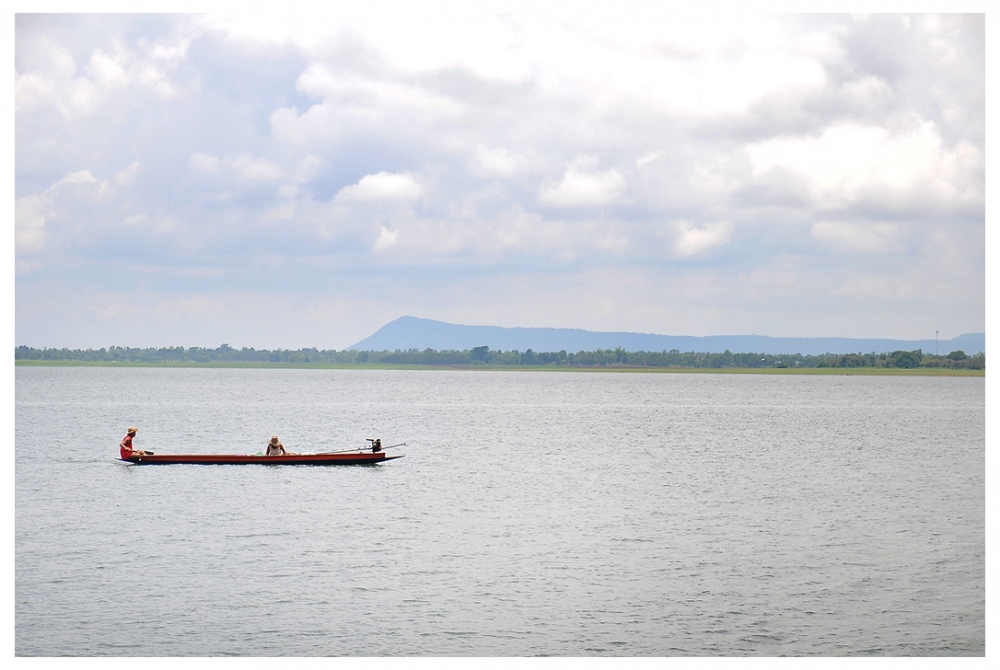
(896, 362)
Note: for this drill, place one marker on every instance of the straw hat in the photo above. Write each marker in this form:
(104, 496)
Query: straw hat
(274, 440)
(132, 430)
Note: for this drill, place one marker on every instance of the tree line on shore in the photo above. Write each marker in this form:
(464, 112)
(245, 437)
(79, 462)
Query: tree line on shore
(484, 356)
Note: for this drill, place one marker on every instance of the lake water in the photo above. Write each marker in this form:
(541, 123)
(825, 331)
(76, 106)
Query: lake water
(535, 513)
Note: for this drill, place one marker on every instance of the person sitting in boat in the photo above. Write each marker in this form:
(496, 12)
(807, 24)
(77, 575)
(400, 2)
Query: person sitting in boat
(275, 448)
(126, 445)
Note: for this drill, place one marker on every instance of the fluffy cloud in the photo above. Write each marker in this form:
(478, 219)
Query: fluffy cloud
(497, 162)
(505, 146)
(31, 212)
(256, 168)
(868, 92)
(847, 162)
(127, 175)
(204, 162)
(386, 238)
(380, 187)
(694, 240)
(61, 85)
(29, 223)
(583, 188)
(308, 168)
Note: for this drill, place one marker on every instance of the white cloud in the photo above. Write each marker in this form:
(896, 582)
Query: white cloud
(382, 186)
(789, 129)
(204, 162)
(848, 161)
(695, 241)
(107, 71)
(308, 168)
(127, 175)
(72, 179)
(33, 212)
(108, 81)
(29, 223)
(497, 162)
(363, 101)
(486, 43)
(32, 91)
(43, 86)
(386, 238)
(648, 158)
(870, 91)
(281, 213)
(684, 64)
(583, 188)
(256, 168)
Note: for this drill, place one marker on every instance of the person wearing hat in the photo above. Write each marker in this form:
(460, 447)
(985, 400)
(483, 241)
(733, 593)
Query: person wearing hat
(275, 448)
(126, 445)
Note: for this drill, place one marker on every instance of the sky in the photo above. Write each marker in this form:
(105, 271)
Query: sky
(300, 178)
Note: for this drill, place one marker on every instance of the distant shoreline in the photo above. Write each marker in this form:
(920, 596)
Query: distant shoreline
(410, 332)
(864, 371)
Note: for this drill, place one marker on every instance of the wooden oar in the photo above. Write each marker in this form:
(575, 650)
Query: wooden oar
(361, 449)
(342, 451)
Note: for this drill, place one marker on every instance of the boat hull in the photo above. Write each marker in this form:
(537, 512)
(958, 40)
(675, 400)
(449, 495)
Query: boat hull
(359, 458)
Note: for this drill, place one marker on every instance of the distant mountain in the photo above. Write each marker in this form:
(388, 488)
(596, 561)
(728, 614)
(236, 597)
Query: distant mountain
(409, 332)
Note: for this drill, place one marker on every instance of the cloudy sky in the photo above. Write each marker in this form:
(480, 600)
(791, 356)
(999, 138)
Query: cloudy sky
(300, 179)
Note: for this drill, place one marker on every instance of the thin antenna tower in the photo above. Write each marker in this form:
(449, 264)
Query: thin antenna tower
(935, 343)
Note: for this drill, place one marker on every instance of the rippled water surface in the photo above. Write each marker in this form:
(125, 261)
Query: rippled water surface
(535, 513)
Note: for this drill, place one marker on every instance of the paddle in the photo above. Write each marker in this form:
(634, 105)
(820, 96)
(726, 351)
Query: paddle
(346, 451)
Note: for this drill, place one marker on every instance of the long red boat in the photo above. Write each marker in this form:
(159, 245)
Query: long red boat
(355, 458)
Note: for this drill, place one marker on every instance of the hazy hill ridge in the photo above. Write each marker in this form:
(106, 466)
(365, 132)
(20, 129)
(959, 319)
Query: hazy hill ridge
(410, 332)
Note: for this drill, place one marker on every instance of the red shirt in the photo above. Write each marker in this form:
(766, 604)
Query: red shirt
(126, 447)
